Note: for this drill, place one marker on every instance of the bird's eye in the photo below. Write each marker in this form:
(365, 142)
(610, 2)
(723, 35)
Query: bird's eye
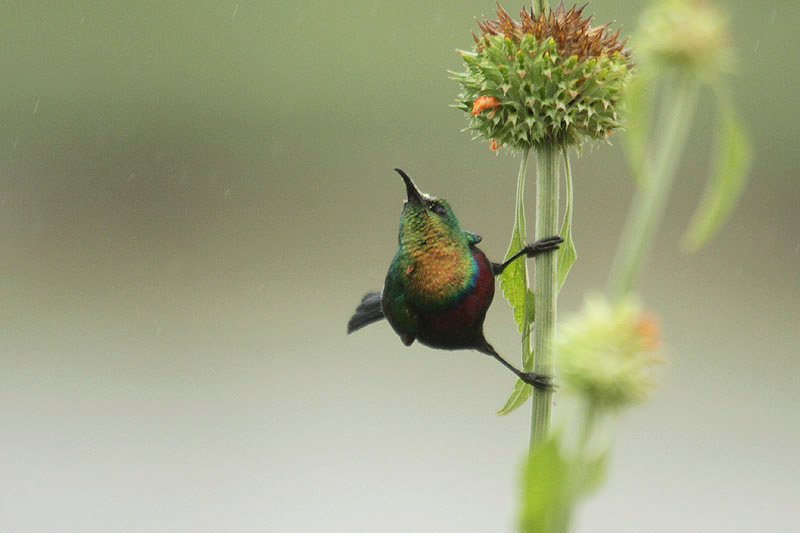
(438, 208)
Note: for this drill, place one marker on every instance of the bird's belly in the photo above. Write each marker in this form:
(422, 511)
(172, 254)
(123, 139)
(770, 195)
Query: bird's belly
(458, 326)
(455, 328)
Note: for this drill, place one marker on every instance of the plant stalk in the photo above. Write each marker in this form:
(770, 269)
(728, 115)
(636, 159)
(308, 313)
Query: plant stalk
(651, 197)
(545, 281)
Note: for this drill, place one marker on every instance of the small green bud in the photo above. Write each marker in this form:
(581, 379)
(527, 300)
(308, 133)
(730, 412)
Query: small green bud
(606, 353)
(550, 78)
(690, 35)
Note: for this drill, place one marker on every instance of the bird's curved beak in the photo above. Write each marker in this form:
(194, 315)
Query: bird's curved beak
(414, 196)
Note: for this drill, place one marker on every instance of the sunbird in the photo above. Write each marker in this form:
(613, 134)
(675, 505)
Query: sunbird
(440, 284)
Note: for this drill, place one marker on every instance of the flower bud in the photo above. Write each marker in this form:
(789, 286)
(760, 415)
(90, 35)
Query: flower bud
(686, 34)
(606, 353)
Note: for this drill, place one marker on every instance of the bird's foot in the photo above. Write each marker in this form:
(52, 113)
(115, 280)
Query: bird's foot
(543, 245)
(540, 381)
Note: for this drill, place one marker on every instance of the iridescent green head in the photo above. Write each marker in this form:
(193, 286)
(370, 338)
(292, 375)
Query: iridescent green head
(434, 263)
(428, 222)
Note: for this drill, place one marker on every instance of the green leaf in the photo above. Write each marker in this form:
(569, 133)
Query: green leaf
(566, 252)
(530, 306)
(554, 483)
(545, 494)
(731, 165)
(515, 291)
(522, 391)
(514, 283)
(513, 280)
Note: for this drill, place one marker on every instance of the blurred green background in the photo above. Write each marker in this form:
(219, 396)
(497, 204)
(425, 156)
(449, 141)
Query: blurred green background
(193, 198)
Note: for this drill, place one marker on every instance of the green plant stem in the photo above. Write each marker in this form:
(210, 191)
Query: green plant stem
(651, 197)
(541, 4)
(545, 282)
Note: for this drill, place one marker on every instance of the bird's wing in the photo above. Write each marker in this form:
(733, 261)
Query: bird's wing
(399, 312)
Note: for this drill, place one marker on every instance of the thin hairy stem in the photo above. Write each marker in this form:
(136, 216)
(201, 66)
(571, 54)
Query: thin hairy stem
(545, 281)
(651, 197)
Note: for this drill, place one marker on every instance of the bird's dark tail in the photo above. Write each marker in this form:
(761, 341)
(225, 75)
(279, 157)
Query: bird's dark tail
(367, 312)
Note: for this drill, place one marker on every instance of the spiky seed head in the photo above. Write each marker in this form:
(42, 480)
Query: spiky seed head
(691, 35)
(547, 78)
(607, 352)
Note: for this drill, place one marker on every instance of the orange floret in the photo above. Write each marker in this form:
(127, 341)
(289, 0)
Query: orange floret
(484, 102)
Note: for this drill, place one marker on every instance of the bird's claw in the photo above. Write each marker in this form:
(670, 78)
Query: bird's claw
(540, 381)
(543, 245)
